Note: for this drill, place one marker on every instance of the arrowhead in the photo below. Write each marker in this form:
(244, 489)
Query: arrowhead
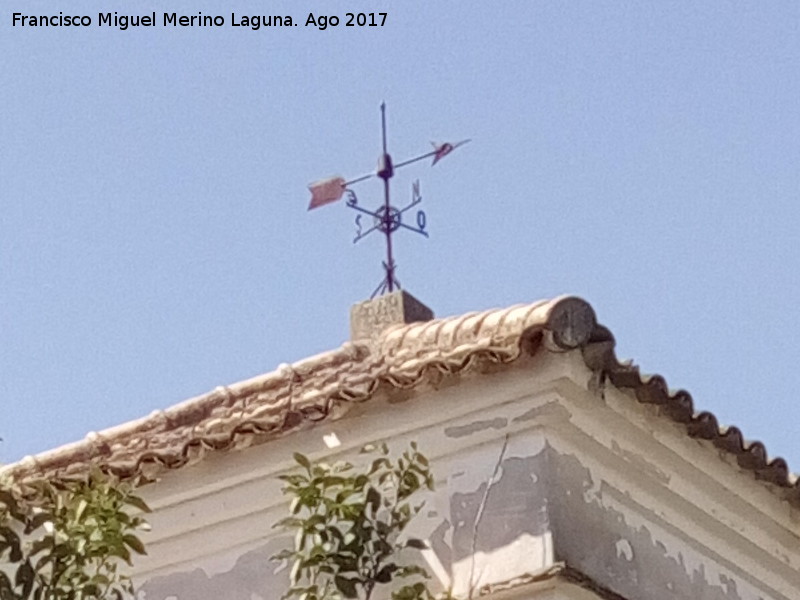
(442, 150)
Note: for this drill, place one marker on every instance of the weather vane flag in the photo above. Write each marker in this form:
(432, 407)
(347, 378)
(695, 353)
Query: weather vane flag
(386, 219)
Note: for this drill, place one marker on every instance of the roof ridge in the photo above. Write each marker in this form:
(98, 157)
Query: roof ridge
(312, 389)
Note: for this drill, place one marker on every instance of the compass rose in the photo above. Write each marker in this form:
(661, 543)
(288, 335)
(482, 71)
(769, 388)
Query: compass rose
(386, 218)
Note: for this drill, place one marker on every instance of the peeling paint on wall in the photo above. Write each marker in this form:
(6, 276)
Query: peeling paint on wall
(506, 510)
(629, 560)
(550, 409)
(464, 430)
(624, 549)
(514, 506)
(501, 528)
(251, 578)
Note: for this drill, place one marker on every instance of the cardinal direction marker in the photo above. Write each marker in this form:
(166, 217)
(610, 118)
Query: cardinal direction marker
(387, 222)
(416, 198)
(387, 218)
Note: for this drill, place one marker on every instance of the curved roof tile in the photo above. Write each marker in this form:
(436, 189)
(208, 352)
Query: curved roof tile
(252, 411)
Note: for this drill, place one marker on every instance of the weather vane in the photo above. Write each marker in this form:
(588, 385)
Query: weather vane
(386, 219)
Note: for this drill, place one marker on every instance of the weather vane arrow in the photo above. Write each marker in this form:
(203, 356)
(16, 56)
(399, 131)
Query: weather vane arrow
(387, 218)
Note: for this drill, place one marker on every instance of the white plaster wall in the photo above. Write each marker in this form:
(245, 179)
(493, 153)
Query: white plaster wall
(550, 453)
(211, 518)
(650, 495)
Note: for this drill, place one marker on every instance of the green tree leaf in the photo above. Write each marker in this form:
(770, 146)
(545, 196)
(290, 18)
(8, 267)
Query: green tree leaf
(346, 586)
(302, 460)
(346, 524)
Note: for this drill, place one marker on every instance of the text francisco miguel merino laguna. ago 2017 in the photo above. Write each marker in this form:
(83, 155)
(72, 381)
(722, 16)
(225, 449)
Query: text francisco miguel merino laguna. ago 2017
(171, 19)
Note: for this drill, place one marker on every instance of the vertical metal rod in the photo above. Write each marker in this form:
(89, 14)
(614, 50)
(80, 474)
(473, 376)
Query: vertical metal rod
(386, 215)
(383, 124)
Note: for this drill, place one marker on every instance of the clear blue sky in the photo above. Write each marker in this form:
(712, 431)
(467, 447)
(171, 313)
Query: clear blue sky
(154, 239)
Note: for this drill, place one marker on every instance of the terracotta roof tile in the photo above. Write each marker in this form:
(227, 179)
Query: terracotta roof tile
(257, 409)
